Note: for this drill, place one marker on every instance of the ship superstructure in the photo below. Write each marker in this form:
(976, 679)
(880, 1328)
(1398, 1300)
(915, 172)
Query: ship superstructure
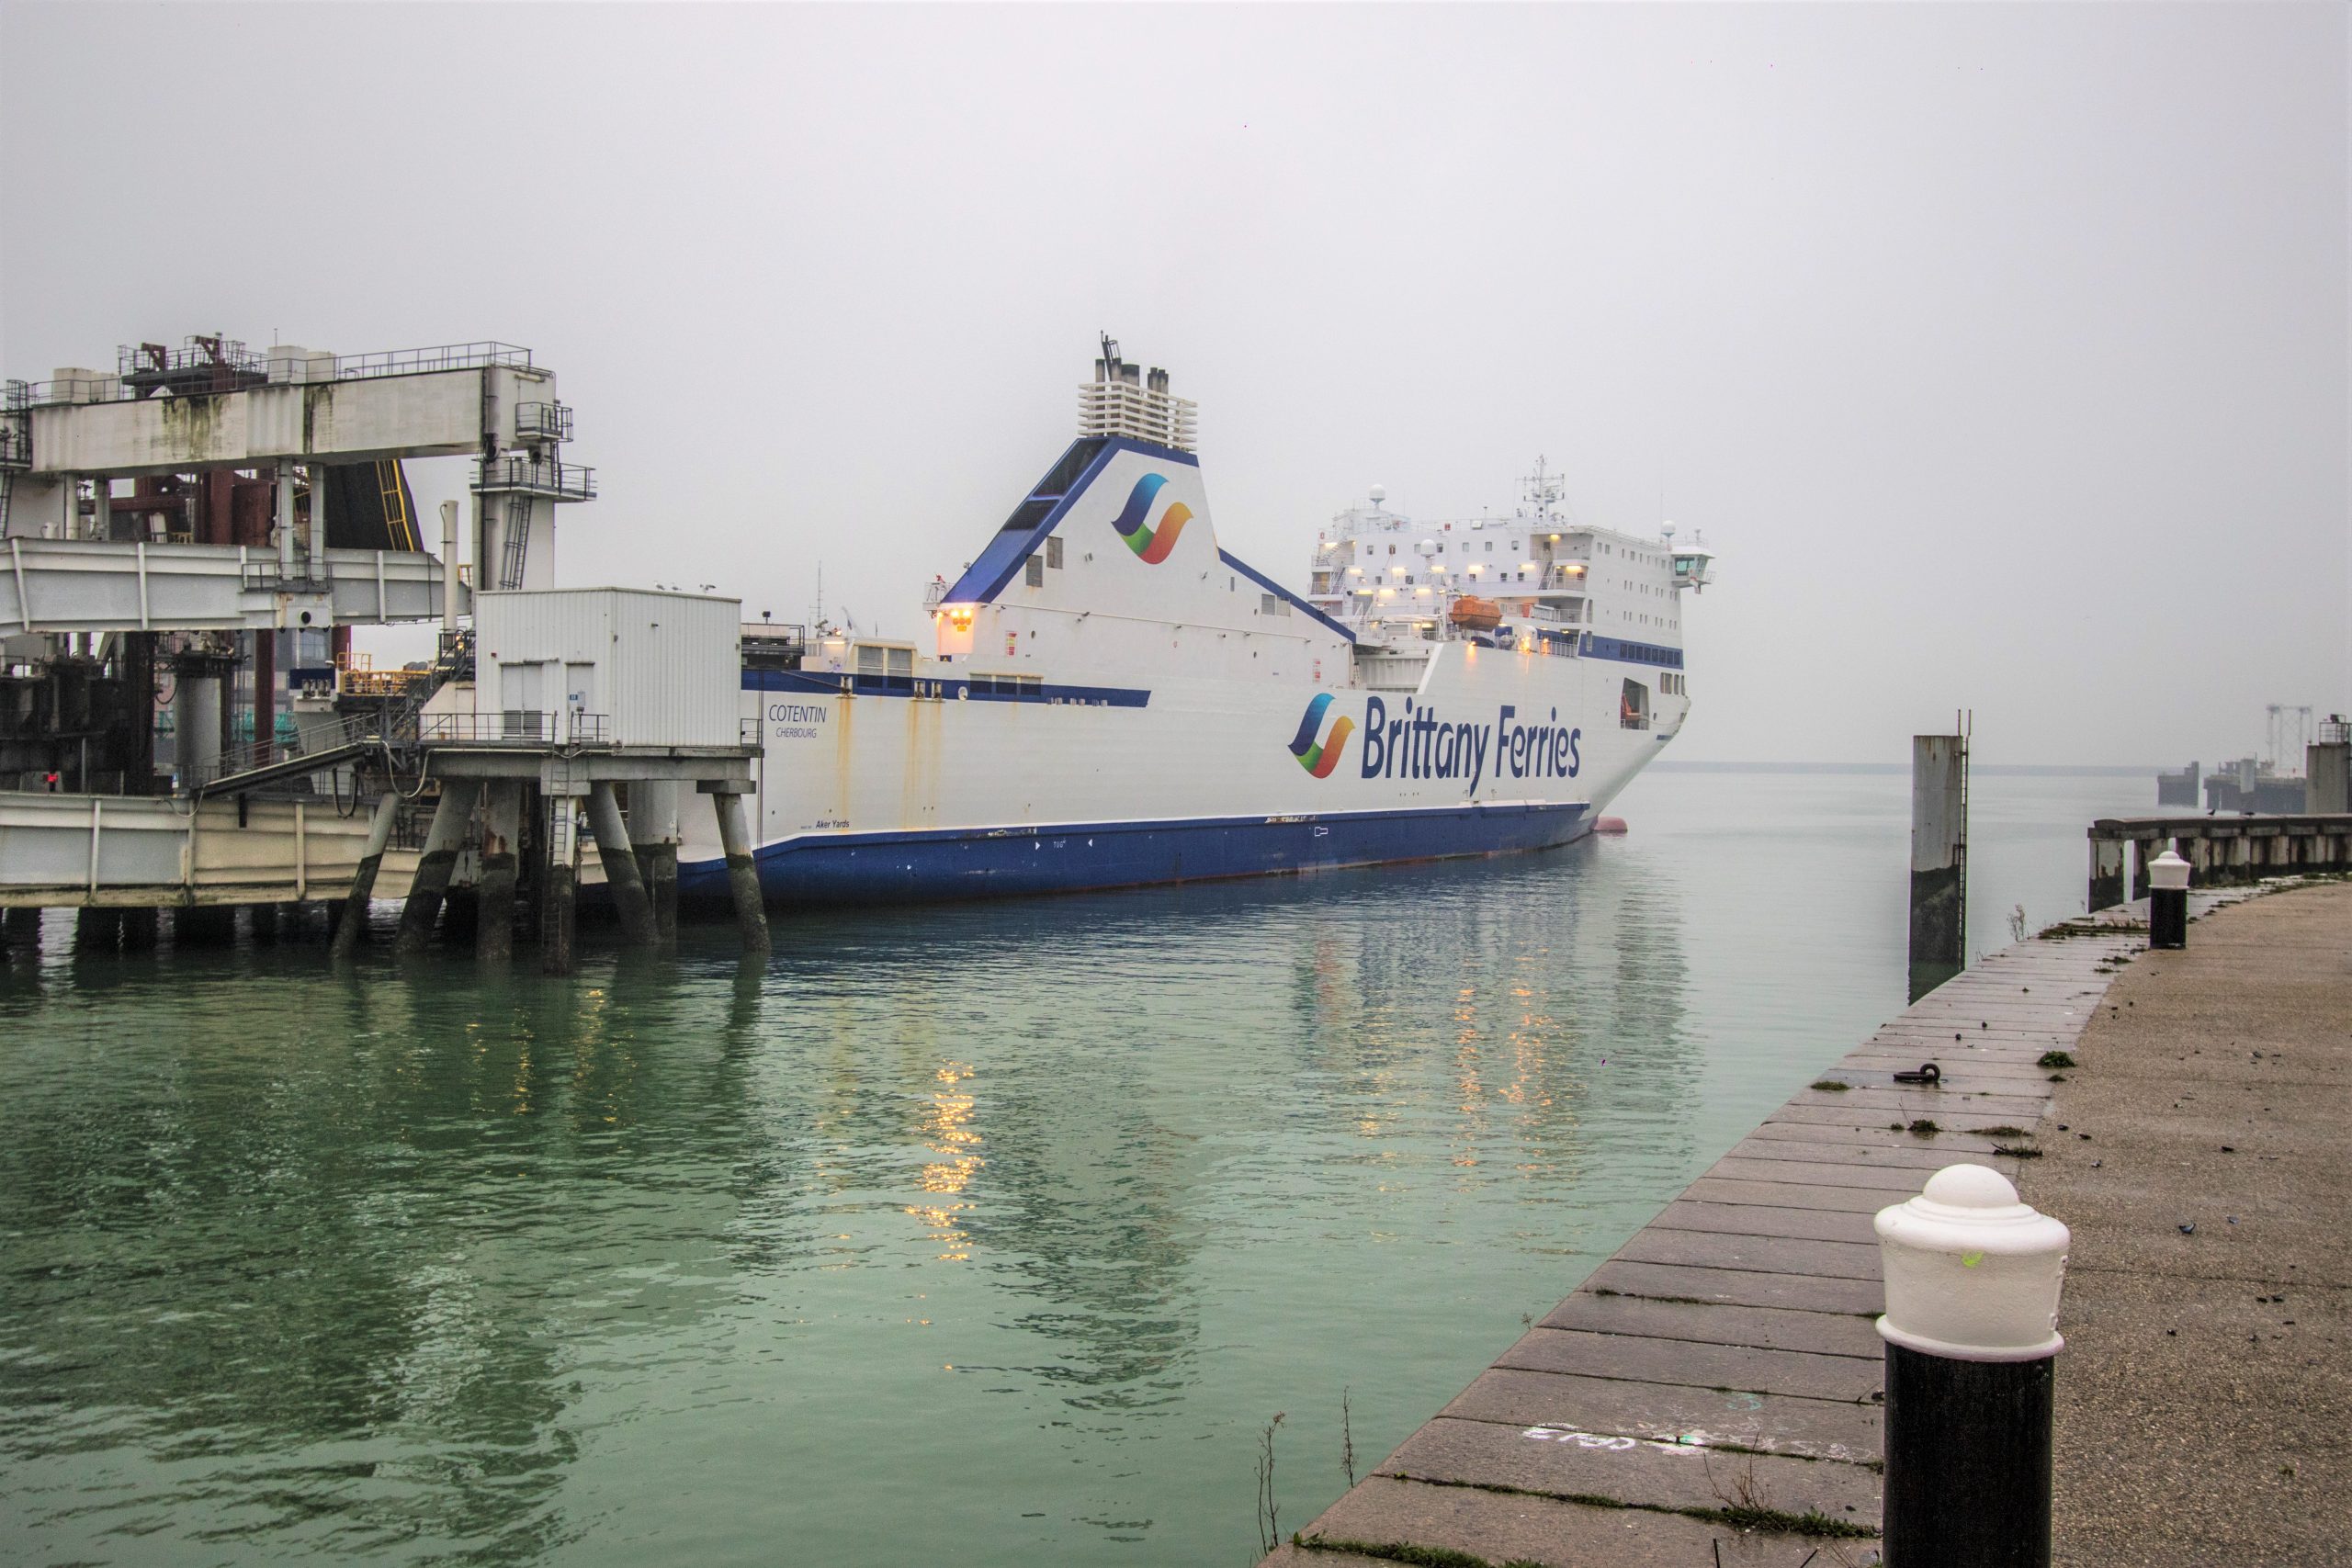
(1388, 575)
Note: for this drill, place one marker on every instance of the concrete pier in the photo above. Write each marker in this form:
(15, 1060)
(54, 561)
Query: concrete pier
(742, 872)
(1714, 1391)
(653, 832)
(620, 867)
(559, 909)
(2222, 851)
(452, 818)
(501, 831)
(141, 928)
(97, 928)
(351, 928)
(204, 925)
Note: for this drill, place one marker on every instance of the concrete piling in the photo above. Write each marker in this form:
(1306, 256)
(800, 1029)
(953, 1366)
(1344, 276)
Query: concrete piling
(204, 925)
(96, 930)
(443, 839)
(460, 916)
(1938, 860)
(653, 833)
(558, 909)
(620, 867)
(353, 926)
(141, 928)
(2107, 875)
(742, 872)
(20, 930)
(502, 829)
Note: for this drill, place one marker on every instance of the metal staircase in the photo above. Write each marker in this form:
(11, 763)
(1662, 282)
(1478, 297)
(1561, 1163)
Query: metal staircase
(388, 733)
(518, 541)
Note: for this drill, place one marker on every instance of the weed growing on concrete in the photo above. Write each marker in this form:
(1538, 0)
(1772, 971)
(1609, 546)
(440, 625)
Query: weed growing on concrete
(1925, 1128)
(1738, 1516)
(1831, 1086)
(2055, 1059)
(2018, 1151)
(2003, 1131)
(2017, 923)
(1810, 1522)
(1406, 1552)
(1347, 1441)
(1269, 1515)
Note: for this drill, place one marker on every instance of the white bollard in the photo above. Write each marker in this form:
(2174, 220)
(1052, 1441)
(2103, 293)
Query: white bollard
(2168, 901)
(1973, 1279)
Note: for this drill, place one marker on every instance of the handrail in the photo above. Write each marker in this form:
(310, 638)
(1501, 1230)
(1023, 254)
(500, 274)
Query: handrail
(393, 730)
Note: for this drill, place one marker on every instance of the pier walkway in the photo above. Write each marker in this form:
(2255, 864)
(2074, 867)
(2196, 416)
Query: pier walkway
(1711, 1392)
(2205, 1394)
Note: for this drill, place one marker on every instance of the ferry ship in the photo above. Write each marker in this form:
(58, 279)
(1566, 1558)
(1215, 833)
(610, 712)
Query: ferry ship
(1110, 698)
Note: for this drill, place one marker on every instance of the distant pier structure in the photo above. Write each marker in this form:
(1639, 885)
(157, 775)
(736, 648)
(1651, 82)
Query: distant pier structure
(187, 541)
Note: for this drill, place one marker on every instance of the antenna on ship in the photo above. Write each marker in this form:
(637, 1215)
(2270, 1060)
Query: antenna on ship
(1543, 488)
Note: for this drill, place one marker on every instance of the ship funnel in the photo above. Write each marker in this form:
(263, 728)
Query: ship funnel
(1124, 401)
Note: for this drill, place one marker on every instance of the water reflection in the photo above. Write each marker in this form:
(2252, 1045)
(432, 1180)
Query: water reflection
(428, 1264)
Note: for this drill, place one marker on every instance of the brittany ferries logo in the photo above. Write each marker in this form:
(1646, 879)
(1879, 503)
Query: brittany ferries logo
(1152, 542)
(1320, 757)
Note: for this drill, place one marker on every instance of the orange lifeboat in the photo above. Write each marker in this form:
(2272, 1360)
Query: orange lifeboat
(1476, 615)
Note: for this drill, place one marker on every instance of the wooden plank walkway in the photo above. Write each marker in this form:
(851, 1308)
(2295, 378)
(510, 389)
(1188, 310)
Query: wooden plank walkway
(1711, 1392)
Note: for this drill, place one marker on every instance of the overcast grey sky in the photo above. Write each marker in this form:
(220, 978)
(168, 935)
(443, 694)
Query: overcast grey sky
(2000, 350)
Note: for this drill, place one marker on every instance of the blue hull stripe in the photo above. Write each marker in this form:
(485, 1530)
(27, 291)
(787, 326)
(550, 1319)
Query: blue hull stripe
(880, 868)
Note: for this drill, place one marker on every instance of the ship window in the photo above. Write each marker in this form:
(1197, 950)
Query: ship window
(869, 660)
(1026, 516)
(902, 660)
(1634, 706)
(1490, 546)
(1072, 468)
(1036, 572)
(1054, 551)
(1392, 550)
(1272, 604)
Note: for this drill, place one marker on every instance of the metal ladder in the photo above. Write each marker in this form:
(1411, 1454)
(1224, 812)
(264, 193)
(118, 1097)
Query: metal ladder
(518, 541)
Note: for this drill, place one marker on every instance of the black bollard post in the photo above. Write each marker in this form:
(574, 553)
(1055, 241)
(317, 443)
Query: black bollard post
(1972, 1278)
(2168, 901)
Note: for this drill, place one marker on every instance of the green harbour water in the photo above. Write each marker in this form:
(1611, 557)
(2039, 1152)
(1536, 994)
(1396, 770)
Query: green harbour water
(986, 1235)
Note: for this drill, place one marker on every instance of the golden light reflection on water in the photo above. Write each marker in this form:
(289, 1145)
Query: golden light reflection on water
(948, 1132)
